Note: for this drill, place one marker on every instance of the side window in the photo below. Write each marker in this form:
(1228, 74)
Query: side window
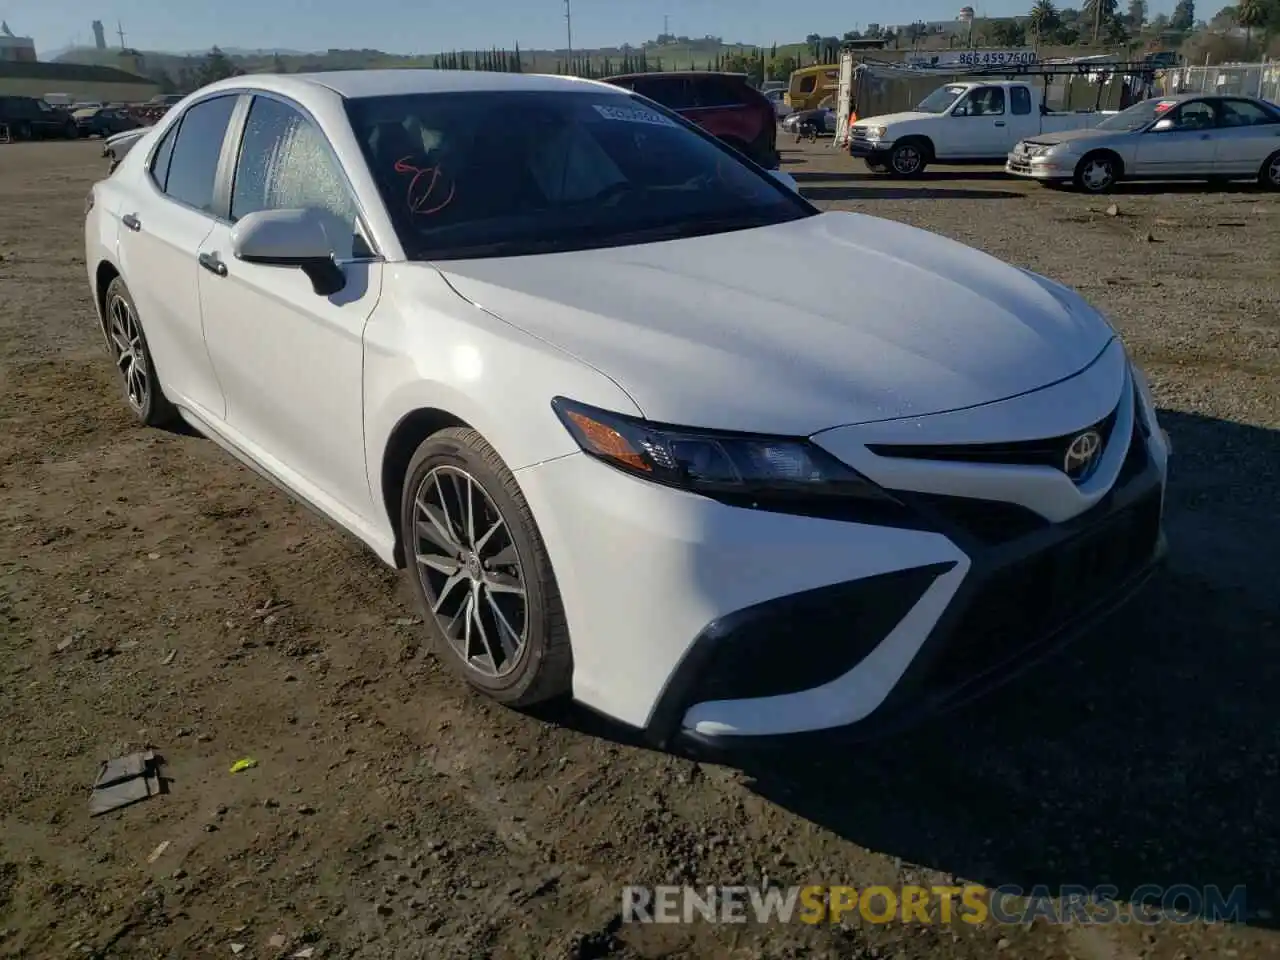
(1196, 115)
(194, 164)
(286, 163)
(1019, 101)
(672, 92)
(808, 84)
(717, 92)
(160, 159)
(1243, 113)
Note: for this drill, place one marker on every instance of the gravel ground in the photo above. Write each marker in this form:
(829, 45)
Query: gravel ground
(154, 592)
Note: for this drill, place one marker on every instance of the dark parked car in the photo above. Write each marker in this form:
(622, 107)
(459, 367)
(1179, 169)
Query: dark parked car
(28, 119)
(103, 122)
(723, 104)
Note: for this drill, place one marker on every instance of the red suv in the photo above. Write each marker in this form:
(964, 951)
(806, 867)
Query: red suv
(723, 104)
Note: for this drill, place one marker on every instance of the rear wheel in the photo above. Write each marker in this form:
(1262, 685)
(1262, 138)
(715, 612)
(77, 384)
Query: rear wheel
(477, 565)
(132, 356)
(1097, 173)
(22, 131)
(1269, 176)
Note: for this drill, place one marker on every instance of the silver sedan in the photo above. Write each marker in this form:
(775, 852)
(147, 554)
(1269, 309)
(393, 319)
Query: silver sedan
(1184, 137)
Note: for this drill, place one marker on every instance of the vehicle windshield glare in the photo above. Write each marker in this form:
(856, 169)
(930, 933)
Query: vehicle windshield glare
(486, 174)
(1137, 116)
(940, 100)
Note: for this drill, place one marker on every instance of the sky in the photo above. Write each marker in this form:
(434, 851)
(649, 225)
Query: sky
(427, 26)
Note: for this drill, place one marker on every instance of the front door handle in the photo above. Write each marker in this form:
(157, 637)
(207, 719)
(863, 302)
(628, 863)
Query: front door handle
(132, 222)
(211, 263)
(999, 123)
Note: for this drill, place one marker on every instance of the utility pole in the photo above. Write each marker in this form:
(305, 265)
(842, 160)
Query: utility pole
(120, 33)
(1097, 20)
(568, 27)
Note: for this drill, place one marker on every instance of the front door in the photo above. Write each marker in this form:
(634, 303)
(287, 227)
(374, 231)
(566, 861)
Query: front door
(290, 360)
(1185, 147)
(978, 128)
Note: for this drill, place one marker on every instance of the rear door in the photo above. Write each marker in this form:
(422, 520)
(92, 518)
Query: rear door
(1024, 115)
(290, 360)
(162, 226)
(1249, 133)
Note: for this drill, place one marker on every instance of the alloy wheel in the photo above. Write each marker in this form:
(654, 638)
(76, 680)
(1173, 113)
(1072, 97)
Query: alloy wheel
(1097, 174)
(906, 160)
(130, 352)
(470, 571)
(1273, 171)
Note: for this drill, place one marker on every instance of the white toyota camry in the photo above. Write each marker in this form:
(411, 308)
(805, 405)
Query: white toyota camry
(521, 335)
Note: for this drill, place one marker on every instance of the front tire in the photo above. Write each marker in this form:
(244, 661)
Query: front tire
(133, 362)
(1097, 173)
(1269, 175)
(908, 159)
(480, 572)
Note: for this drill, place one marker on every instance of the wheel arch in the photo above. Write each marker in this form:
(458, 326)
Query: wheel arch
(930, 151)
(1108, 152)
(406, 436)
(103, 274)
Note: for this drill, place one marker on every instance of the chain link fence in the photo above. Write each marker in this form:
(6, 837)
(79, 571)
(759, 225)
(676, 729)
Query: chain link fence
(1241, 79)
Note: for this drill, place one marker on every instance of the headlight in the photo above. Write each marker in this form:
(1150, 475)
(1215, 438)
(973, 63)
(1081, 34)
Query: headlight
(876, 133)
(713, 463)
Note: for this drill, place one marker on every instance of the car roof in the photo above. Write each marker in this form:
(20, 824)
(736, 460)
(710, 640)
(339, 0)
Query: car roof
(676, 73)
(356, 84)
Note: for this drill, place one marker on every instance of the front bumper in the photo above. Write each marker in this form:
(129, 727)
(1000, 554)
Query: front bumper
(873, 151)
(1039, 168)
(717, 628)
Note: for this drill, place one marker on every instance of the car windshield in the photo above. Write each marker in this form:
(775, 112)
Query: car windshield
(504, 174)
(1137, 116)
(941, 99)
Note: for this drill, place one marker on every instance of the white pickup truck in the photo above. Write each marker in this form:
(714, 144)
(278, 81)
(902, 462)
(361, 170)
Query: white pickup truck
(966, 122)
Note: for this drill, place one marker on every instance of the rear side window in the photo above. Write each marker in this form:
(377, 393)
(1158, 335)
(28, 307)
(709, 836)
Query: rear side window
(718, 92)
(672, 92)
(1020, 100)
(194, 163)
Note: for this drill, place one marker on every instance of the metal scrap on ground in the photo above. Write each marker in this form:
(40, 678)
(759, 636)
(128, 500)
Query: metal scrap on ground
(124, 781)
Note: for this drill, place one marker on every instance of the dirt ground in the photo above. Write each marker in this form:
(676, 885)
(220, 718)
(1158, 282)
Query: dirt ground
(154, 592)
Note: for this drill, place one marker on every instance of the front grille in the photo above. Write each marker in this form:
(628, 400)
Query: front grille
(1047, 592)
(1048, 452)
(992, 522)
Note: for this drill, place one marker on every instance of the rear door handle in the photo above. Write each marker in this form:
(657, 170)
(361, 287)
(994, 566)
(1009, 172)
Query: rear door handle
(132, 222)
(211, 263)
(999, 123)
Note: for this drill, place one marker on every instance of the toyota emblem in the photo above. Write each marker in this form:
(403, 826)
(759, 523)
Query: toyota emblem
(1082, 454)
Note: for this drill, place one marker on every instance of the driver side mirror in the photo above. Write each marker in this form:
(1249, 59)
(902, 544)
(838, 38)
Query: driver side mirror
(1162, 125)
(786, 179)
(289, 238)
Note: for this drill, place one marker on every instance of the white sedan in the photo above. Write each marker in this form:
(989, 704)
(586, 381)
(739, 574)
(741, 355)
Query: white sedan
(521, 336)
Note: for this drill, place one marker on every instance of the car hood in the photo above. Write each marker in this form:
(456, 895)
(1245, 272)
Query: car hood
(1067, 136)
(833, 319)
(888, 118)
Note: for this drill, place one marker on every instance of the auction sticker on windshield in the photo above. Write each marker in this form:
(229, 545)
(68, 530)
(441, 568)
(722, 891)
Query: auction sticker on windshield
(633, 115)
(1164, 105)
